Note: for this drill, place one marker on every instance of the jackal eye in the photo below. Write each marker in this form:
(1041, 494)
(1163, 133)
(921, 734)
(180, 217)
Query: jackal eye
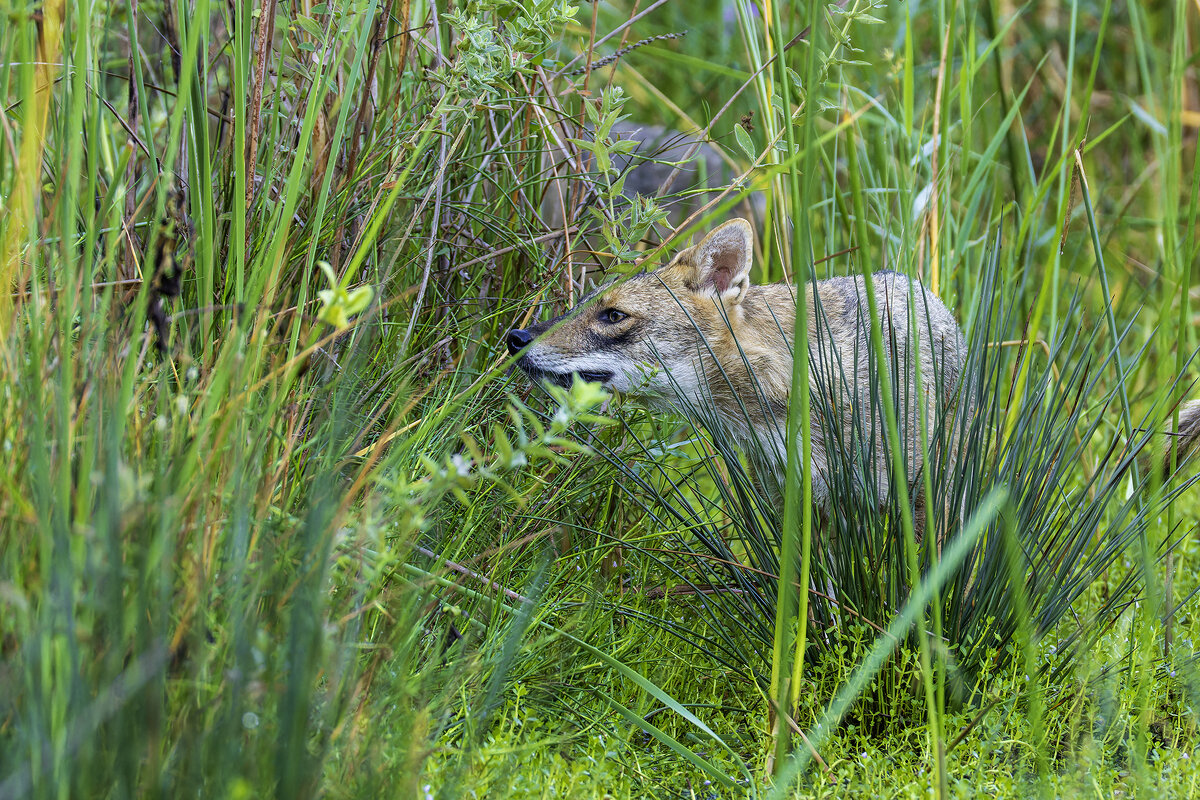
(612, 316)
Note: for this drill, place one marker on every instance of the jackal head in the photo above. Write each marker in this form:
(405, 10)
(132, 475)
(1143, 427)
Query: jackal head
(649, 334)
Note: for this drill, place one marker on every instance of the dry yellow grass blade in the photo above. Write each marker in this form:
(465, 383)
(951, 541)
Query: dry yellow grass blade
(33, 139)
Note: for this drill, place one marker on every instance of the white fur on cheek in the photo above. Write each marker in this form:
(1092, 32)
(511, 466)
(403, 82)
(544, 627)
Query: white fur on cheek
(683, 382)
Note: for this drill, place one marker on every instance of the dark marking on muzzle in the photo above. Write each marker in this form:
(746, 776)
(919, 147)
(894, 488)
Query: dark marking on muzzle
(563, 379)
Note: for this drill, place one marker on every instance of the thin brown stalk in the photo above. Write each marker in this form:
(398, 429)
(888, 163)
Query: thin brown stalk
(404, 16)
(360, 131)
(461, 570)
(262, 46)
(433, 235)
(536, 240)
(934, 189)
(128, 266)
(610, 34)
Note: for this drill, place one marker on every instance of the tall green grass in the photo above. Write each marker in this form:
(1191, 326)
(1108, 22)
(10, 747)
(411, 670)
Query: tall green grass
(311, 541)
(213, 578)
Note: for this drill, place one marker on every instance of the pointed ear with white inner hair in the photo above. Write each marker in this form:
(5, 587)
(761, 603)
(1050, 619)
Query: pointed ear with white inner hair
(723, 260)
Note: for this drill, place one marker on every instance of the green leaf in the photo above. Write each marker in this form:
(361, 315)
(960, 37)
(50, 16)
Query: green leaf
(744, 142)
(310, 27)
(359, 299)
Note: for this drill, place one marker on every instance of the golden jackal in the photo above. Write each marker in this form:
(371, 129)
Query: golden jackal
(695, 335)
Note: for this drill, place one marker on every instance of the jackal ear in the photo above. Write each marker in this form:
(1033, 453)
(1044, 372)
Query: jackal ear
(723, 260)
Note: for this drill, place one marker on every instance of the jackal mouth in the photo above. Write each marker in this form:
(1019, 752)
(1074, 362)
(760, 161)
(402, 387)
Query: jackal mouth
(603, 376)
(564, 379)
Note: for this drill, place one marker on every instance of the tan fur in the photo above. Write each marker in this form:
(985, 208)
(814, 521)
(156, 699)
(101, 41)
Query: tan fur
(1186, 440)
(697, 336)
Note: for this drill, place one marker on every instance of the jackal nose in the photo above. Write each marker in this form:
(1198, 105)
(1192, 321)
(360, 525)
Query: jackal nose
(518, 340)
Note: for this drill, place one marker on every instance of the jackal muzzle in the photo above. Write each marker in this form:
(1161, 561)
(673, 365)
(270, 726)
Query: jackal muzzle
(519, 339)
